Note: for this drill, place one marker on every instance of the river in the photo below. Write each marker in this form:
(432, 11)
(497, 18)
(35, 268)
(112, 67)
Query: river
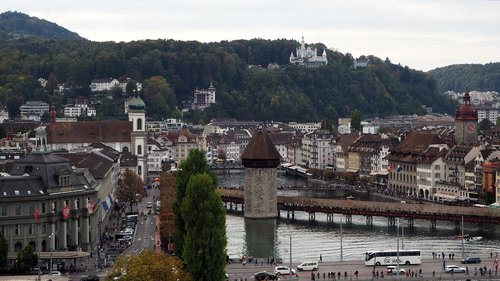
(309, 240)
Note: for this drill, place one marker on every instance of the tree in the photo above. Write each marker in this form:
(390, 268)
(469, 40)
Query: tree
(205, 221)
(195, 163)
(148, 266)
(52, 83)
(356, 117)
(130, 189)
(26, 259)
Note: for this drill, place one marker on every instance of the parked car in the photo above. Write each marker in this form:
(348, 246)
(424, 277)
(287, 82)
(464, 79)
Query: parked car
(471, 260)
(308, 265)
(264, 275)
(283, 270)
(90, 278)
(392, 269)
(454, 269)
(56, 273)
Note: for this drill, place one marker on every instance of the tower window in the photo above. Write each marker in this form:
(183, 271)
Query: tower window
(139, 124)
(139, 149)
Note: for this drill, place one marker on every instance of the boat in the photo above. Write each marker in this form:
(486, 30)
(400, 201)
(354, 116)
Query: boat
(474, 239)
(465, 236)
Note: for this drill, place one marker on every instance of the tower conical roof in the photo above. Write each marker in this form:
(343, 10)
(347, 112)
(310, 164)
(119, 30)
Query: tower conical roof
(136, 103)
(261, 152)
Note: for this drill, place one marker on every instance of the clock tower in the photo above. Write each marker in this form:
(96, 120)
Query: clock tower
(466, 122)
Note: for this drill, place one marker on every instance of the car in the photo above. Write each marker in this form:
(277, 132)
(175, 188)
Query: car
(454, 269)
(264, 275)
(392, 269)
(149, 204)
(308, 265)
(90, 278)
(283, 270)
(471, 260)
(56, 273)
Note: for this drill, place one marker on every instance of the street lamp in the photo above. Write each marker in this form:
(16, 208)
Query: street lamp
(51, 236)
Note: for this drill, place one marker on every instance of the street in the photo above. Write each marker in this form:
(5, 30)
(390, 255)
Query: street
(238, 271)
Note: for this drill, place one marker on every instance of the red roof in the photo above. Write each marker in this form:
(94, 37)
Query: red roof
(89, 132)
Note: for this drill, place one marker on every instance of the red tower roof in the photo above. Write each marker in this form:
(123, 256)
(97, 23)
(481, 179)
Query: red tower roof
(466, 110)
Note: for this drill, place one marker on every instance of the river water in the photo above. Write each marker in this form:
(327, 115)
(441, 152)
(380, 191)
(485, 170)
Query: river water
(309, 240)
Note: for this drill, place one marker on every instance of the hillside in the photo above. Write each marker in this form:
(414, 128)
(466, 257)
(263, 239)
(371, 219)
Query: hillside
(477, 76)
(20, 25)
(171, 70)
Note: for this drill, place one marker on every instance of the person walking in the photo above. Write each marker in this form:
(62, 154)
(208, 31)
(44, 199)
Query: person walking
(320, 258)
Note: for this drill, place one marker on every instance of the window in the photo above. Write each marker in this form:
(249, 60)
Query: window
(31, 209)
(31, 229)
(44, 227)
(139, 170)
(139, 124)
(3, 210)
(139, 149)
(44, 208)
(18, 209)
(64, 180)
(18, 229)
(4, 230)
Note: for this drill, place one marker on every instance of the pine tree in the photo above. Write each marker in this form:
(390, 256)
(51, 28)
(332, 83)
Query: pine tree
(205, 224)
(195, 163)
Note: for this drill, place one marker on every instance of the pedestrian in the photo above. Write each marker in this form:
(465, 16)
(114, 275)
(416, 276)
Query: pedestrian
(491, 255)
(433, 273)
(449, 256)
(442, 254)
(453, 256)
(356, 274)
(420, 272)
(312, 275)
(318, 275)
(320, 258)
(324, 275)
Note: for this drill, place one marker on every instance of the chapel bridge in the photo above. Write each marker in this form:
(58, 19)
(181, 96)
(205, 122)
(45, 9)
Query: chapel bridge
(370, 209)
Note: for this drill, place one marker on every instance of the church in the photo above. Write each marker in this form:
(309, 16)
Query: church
(466, 122)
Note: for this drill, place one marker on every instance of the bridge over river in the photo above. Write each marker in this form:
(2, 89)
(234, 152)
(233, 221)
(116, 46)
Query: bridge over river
(370, 209)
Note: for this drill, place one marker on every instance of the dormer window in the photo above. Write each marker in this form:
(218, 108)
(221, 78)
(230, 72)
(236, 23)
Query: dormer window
(64, 179)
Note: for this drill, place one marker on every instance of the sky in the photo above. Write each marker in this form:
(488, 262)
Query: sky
(420, 34)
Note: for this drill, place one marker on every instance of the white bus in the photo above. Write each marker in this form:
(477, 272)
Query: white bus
(390, 257)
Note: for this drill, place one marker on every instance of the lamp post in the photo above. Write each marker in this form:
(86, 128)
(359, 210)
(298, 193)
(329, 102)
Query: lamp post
(51, 236)
(341, 246)
(290, 254)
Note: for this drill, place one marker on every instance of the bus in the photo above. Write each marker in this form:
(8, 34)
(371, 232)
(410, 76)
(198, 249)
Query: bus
(390, 257)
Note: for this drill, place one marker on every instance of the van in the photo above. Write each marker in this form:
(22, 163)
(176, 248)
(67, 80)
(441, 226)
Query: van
(308, 265)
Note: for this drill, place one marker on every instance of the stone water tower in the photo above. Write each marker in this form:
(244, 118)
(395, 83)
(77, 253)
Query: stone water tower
(261, 159)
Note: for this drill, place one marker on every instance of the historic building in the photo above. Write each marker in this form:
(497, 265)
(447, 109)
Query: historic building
(203, 98)
(308, 56)
(261, 159)
(128, 137)
(466, 122)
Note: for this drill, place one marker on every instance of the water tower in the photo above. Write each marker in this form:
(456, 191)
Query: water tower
(261, 159)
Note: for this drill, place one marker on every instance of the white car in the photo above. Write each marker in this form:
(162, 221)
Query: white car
(149, 204)
(283, 270)
(392, 269)
(454, 269)
(56, 273)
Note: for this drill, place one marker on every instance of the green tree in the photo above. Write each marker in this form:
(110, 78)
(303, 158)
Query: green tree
(356, 117)
(148, 266)
(130, 189)
(26, 259)
(52, 83)
(205, 224)
(195, 163)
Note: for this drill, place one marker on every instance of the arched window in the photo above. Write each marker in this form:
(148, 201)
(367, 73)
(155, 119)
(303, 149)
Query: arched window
(139, 149)
(18, 247)
(139, 123)
(139, 170)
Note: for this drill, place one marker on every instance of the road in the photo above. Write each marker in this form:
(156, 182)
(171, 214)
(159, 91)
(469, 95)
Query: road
(237, 271)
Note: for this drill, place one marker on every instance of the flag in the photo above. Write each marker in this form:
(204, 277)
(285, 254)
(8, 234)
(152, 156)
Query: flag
(105, 205)
(90, 207)
(390, 168)
(65, 212)
(399, 169)
(495, 264)
(36, 215)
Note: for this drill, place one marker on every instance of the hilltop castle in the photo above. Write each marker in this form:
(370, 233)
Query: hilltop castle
(308, 57)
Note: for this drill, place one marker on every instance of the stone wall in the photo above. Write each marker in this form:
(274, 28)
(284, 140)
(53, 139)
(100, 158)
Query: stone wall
(261, 193)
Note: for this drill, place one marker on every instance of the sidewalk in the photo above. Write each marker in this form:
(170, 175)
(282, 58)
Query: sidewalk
(158, 248)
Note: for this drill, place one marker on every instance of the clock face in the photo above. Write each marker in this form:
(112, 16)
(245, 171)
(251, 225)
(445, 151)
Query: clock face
(471, 127)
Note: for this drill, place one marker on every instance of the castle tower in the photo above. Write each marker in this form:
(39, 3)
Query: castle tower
(138, 142)
(466, 122)
(260, 159)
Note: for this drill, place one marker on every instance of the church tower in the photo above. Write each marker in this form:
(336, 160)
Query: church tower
(261, 159)
(466, 122)
(138, 142)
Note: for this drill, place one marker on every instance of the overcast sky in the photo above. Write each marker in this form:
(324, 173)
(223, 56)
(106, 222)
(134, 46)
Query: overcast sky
(422, 34)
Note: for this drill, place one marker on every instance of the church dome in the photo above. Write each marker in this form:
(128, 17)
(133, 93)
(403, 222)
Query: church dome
(466, 110)
(136, 103)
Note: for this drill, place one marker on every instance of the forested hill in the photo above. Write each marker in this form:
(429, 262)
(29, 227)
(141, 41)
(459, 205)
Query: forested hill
(20, 25)
(171, 70)
(478, 77)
